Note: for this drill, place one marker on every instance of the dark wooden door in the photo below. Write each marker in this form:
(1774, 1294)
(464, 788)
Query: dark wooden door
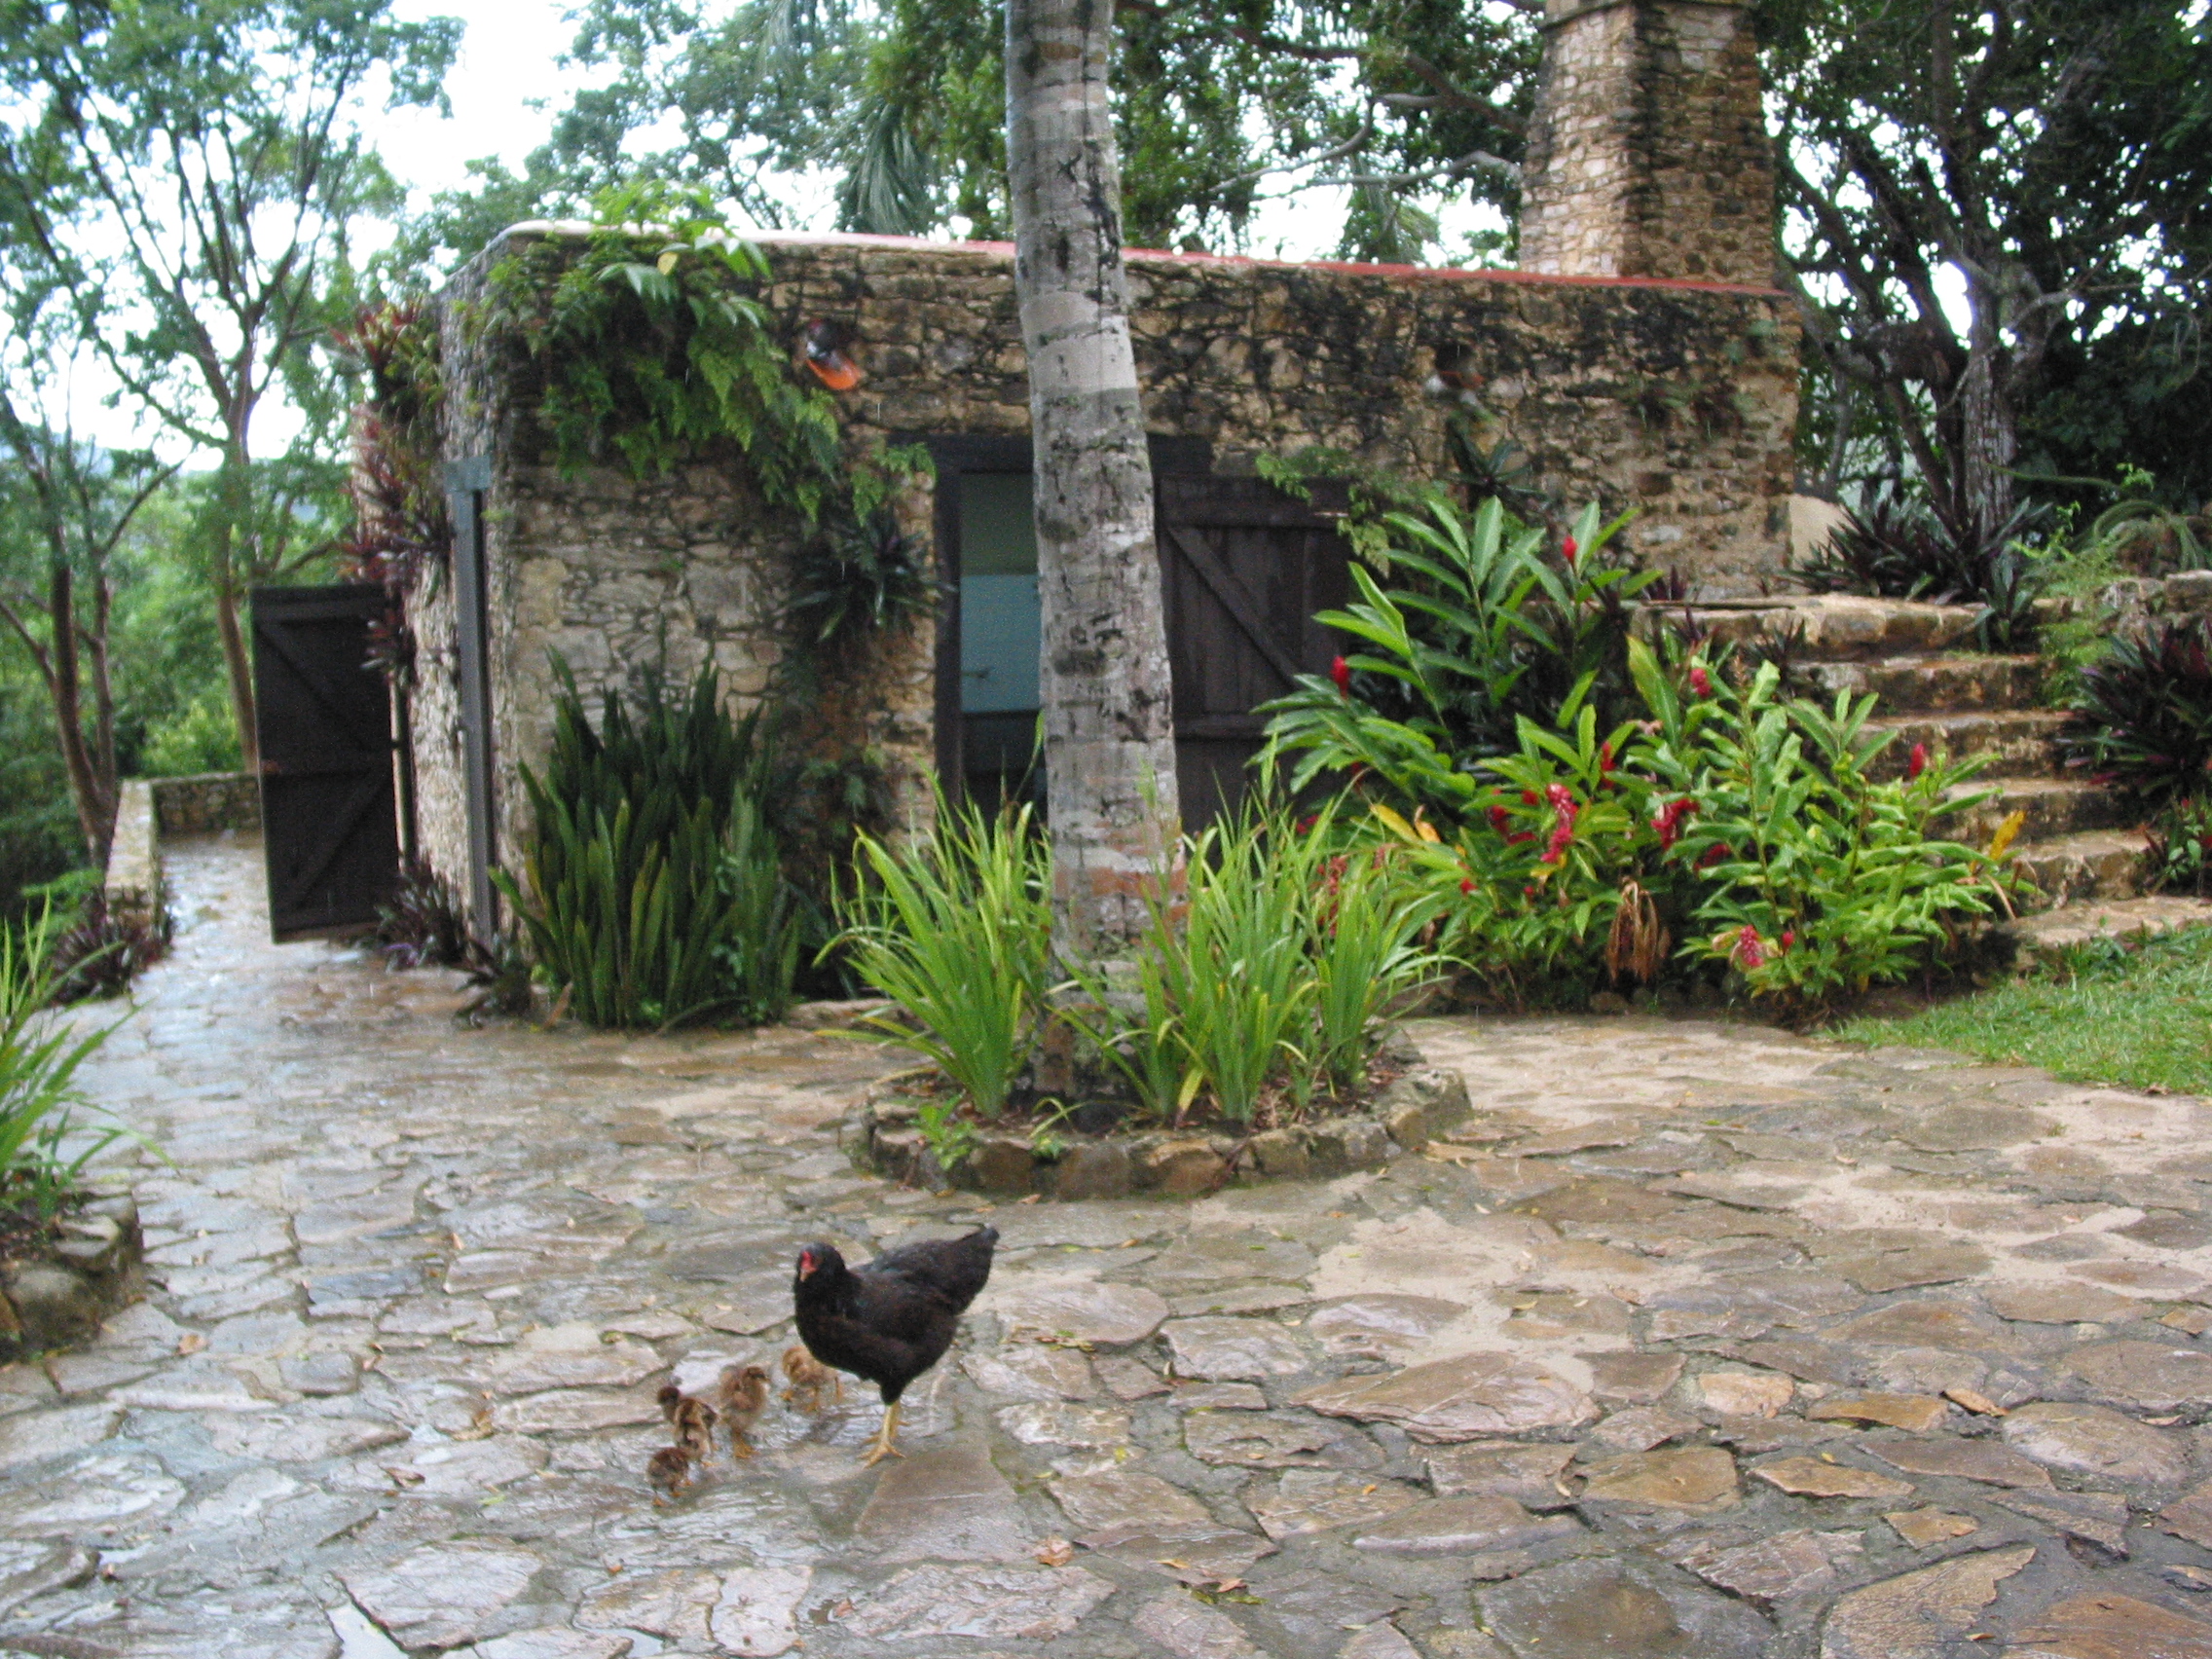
(330, 822)
(1243, 569)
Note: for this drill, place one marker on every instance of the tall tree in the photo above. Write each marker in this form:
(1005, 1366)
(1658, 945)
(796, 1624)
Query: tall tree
(1403, 104)
(2050, 159)
(1108, 705)
(220, 171)
(65, 508)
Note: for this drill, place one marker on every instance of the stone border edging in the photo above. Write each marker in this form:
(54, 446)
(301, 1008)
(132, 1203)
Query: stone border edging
(97, 1268)
(881, 1136)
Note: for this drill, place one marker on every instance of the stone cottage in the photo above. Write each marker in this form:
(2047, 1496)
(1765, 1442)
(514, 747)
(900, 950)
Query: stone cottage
(1642, 358)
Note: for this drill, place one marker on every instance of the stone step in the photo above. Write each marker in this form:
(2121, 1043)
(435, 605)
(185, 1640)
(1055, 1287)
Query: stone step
(2037, 938)
(1933, 682)
(1835, 627)
(2094, 864)
(2019, 743)
(2054, 808)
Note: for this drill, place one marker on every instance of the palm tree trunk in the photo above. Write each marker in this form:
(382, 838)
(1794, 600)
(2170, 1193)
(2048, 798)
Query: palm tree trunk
(1108, 733)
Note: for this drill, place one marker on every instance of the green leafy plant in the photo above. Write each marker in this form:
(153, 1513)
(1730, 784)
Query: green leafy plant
(1487, 629)
(2143, 715)
(40, 1055)
(2150, 537)
(1821, 878)
(645, 895)
(2178, 855)
(956, 928)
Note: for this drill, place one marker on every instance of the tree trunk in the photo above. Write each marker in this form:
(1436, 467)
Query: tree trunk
(238, 666)
(94, 795)
(1108, 733)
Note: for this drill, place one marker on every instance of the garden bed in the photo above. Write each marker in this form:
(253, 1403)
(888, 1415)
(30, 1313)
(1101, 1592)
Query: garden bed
(882, 1134)
(60, 1279)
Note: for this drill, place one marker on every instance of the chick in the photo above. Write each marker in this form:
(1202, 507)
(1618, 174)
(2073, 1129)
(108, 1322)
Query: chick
(670, 1472)
(693, 1421)
(742, 1394)
(808, 1375)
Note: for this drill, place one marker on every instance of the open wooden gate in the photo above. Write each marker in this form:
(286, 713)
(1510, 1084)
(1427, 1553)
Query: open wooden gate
(1243, 569)
(330, 822)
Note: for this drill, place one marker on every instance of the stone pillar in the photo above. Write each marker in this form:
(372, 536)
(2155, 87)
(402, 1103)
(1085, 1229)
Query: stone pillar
(1648, 154)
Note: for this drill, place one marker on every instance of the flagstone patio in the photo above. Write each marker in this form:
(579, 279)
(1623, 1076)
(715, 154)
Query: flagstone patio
(1700, 1340)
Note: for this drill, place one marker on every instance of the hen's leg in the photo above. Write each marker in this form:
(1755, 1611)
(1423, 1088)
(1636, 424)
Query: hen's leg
(887, 1441)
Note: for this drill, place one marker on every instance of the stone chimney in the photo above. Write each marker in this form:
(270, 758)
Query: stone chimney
(1648, 153)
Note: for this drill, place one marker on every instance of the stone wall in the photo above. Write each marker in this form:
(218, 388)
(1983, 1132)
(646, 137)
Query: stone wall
(207, 801)
(1647, 148)
(1674, 399)
(131, 884)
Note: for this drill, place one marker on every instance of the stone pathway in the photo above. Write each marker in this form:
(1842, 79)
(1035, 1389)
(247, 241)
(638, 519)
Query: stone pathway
(1701, 1341)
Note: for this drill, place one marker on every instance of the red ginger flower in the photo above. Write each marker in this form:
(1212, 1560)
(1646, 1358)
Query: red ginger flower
(1749, 953)
(1573, 550)
(1563, 827)
(1467, 884)
(1339, 671)
(1668, 820)
(1787, 940)
(1700, 681)
(1714, 854)
(1916, 762)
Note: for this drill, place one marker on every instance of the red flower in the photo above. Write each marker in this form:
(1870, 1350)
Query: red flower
(1572, 550)
(1306, 825)
(1516, 840)
(1605, 759)
(1527, 798)
(1747, 951)
(1500, 820)
(1714, 854)
(1341, 672)
(1467, 884)
(1917, 762)
(1528, 892)
(1700, 681)
(1668, 820)
(1563, 825)
(1788, 938)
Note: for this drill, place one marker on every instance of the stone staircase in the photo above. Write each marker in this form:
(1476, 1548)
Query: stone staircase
(2078, 841)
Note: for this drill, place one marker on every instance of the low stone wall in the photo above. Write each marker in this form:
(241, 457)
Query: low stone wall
(207, 801)
(133, 884)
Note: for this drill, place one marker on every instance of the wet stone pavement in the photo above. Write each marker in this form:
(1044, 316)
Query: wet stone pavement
(1699, 1341)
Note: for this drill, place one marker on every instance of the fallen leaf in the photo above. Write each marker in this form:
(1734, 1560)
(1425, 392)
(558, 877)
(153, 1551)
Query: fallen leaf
(191, 1342)
(406, 1477)
(1973, 1402)
(1056, 1552)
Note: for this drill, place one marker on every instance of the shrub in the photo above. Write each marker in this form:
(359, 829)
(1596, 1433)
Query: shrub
(95, 953)
(2178, 858)
(1741, 823)
(956, 929)
(2142, 716)
(424, 925)
(651, 895)
(40, 1055)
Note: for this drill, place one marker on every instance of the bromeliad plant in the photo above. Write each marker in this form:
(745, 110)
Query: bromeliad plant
(2142, 717)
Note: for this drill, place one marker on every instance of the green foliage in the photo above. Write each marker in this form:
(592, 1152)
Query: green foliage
(654, 346)
(1821, 880)
(40, 1055)
(1489, 628)
(956, 929)
(651, 889)
(202, 738)
(2142, 716)
(2146, 535)
(2178, 858)
(2125, 1012)
(1274, 971)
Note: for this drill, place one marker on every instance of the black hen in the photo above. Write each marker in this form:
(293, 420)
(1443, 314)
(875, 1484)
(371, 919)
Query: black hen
(892, 1319)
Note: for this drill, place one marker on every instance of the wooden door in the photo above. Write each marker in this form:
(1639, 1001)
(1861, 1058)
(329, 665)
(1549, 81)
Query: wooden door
(1243, 569)
(329, 823)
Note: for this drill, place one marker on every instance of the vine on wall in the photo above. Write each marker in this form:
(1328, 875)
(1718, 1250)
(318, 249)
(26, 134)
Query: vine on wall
(654, 346)
(403, 534)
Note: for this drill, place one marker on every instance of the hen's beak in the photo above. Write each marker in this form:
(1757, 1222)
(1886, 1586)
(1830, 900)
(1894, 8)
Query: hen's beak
(805, 1263)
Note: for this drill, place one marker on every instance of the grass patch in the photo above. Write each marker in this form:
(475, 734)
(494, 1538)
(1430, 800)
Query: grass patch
(2111, 1012)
